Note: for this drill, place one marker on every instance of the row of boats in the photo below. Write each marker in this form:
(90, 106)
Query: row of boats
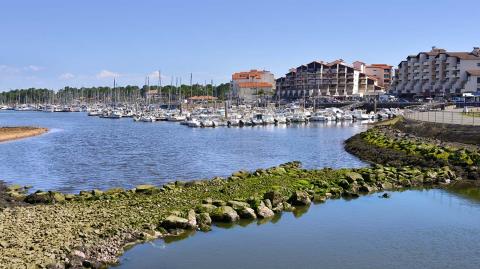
(45, 108)
(242, 116)
(215, 117)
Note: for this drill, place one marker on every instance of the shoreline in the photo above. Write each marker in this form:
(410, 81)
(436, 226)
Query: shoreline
(16, 133)
(94, 229)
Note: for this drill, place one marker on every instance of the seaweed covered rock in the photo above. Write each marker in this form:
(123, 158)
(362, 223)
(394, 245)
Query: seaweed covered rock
(247, 213)
(300, 198)
(224, 214)
(204, 219)
(41, 197)
(237, 205)
(205, 208)
(353, 176)
(146, 189)
(275, 197)
(264, 212)
(176, 222)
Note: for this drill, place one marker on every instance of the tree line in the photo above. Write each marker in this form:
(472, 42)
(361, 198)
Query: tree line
(123, 94)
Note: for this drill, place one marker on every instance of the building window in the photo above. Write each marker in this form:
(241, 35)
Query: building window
(478, 79)
(478, 64)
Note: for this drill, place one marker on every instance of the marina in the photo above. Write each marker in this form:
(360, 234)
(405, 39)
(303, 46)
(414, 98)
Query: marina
(231, 116)
(239, 135)
(82, 152)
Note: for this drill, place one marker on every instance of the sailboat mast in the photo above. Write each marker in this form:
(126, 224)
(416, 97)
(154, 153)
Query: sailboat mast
(159, 90)
(191, 85)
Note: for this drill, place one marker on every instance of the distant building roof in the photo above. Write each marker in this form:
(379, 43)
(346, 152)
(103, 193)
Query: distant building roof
(383, 66)
(475, 72)
(252, 74)
(474, 55)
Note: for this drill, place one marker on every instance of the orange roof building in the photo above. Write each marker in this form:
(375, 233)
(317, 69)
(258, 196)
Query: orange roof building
(252, 85)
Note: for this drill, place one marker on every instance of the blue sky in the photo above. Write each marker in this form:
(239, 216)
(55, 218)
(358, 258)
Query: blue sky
(54, 43)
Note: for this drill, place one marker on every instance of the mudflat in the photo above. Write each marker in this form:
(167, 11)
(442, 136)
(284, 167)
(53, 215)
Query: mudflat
(13, 133)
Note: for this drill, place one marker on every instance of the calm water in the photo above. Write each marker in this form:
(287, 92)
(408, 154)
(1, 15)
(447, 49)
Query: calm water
(413, 229)
(84, 152)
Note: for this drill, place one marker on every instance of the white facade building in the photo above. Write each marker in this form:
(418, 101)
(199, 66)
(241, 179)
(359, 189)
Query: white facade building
(438, 73)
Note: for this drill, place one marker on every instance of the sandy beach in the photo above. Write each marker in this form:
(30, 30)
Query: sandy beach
(13, 133)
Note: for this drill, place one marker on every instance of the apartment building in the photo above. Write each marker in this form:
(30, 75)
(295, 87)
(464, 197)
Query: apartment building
(334, 79)
(438, 73)
(382, 72)
(251, 85)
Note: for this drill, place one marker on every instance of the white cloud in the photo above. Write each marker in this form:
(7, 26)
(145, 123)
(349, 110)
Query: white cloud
(107, 74)
(5, 69)
(33, 68)
(66, 76)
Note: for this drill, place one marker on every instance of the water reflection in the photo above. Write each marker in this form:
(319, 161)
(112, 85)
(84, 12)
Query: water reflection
(412, 229)
(469, 190)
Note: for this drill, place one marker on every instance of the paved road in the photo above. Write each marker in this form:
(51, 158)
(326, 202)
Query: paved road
(451, 117)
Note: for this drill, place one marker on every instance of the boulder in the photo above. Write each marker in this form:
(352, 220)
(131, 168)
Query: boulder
(319, 198)
(57, 197)
(204, 222)
(69, 197)
(247, 213)
(300, 198)
(114, 191)
(264, 212)
(366, 188)
(387, 186)
(175, 222)
(85, 194)
(169, 186)
(192, 219)
(224, 214)
(431, 174)
(275, 197)
(278, 208)
(268, 203)
(204, 219)
(237, 205)
(205, 208)
(353, 176)
(15, 187)
(44, 197)
(219, 203)
(180, 184)
(17, 196)
(344, 184)
(146, 189)
(97, 192)
(240, 174)
(277, 170)
(288, 207)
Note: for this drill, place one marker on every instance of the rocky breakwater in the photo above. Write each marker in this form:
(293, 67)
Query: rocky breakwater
(91, 229)
(390, 146)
